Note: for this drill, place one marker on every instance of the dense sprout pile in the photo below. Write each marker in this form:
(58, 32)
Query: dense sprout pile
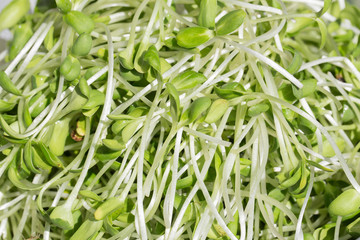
(180, 119)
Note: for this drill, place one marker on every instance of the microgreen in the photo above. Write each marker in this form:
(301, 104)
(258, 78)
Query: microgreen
(180, 119)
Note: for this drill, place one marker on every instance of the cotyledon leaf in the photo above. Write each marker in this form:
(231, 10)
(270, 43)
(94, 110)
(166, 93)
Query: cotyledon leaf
(87, 229)
(197, 107)
(7, 84)
(208, 10)
(6, 128)
(39, 162)
(230, 22)
(217, 110)
(292, 180)
(50, 157)
(28, 157)
(20, 183)
(107, 207)
(327, 4)
(323, 31)
(6, 106)
(188, 80)
(91, 195)
(13, 13)
(193, 36)
(151, 56)
(174, 101)
(296, 63)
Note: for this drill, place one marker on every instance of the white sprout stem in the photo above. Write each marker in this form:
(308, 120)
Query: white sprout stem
(5, 146)
(207, 196)
(6, 162)
(255, 7)
(26, 48)
(170, 196)
(3, 55)
(39, 65)
(12, 202)
(140, 165)
(58, 94)
(337, 228)
(99, 129)
(207, 137)
(131, 41)
(25, 215)
(267, 61)
(32, 52)
(331, 141)
(298, 233)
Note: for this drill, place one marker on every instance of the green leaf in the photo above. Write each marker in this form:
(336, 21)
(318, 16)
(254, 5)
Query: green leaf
(151, 56)
(82, 45)
(327, 4)
(318, 165)
(70, 68)
(7, 84)
(79, 21)
(298, 24)
(27, 115)
(121, 117)
(104, 154)
(174, 101)
(309, 87)
(126, 58)
(217, 110)
(198, 107)
(6, 106)
(188, 80)
(347, 114)
(39, 162)
(292, 180)
(129, 130)
(92, 71)
(208, 10)
(49, 156)
(15, 178)
(230, 90)
(59, 135)
(305, 125)
(87, 229)
(49, 39)
(296, 63)
(328, 150)
(96, 98)
(13, 13)
(108, 207)
(193, 36)
(354, 228)
(230, 22)
(113, 144)
(91, 195)
(130, 75)
(323, 31)
(6, 128)
(346, 203)
(64, 5)
(22, 34)
(28, 157)
(257, 109)
(351, 13)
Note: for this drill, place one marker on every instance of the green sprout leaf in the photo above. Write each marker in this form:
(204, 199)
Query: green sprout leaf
(208, 10)
(230, 22)
(193, 36)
